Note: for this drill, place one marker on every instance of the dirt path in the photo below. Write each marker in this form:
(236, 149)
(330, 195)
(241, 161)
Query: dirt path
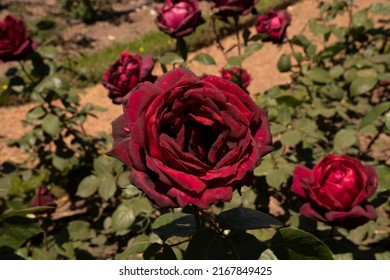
(261, 65)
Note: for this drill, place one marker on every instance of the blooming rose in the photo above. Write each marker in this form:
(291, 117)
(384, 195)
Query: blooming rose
(336, 191)
(232, 8)
(14, 41)
(129, 70)
(274, 24)
(44, 198)
(236, 75)
(179, 18)
(189, 140)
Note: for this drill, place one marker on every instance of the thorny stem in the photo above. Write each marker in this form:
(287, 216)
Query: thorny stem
(217, 39)
(195, 210)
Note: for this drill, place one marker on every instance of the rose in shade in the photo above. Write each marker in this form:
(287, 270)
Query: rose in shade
(44, 198)
(236, 75)
(179, 18)
(14, 41)
(336, 191)
(232, 8)
(126, 73)
(189, 140)
(274, 25)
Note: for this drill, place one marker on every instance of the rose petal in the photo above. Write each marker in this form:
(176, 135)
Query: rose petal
(300, 172)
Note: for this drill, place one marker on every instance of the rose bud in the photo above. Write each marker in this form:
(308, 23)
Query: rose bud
(274, 25)
(179, 18)
(189, 140)
(336, 191)
(232, 8)
(126, 73)
(44, 198)
(236, 75)
(14, 41)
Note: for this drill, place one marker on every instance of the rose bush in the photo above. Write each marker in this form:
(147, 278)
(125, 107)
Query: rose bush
(189, 140)
(336, 191)
(129, 70)
(232, 8)
(237, 75)
(14, 41)
(274, 24)
(179, 18)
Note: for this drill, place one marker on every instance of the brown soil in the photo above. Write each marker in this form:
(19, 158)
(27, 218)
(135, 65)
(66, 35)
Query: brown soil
(261, 65)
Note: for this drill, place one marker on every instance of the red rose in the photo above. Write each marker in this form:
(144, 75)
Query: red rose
(232, 8)
(44, 198)
(14, 41)
(127, 72)
(236, 75)
(179, 18)
(336, 191)
(274, 24)
(189, 140)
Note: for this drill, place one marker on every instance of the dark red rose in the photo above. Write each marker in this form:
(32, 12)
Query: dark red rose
(274, 25)
(232, 8)
(189, 140)
(126, 73)
(179, 18)
(14, 41)
(236, 75)
(336, 191)
(44, 198)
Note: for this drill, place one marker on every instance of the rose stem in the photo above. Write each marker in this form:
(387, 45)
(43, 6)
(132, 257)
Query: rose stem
(195, 210)
(236, 29)
(294, 54)
(25, 71)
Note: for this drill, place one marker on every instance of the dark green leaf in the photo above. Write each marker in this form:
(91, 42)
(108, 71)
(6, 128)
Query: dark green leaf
(24, 212)
(362, 85)
(300, 40)
(208, 245)
(284, 63)
(204, 58)
(159, 252)
(136, 245)
(171, 58)
(45, 24)
(295, 244)
(374, 114)
(88, 186)
(241, 218)
(36, 113)
(246, 246)
(79, 230)
(16, 230)
(174, 224)
(252, 48)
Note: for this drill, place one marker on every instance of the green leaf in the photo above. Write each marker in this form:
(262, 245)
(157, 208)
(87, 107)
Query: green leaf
(46, 24)
(24, 212)
(276, 177)
(319, 75)
(234, 61)
(241, 218)
(284, 63)
(123, 217)
(362, 85)
(136, 245)
(60, 83)
(159, 252)
(174, 224)
(374, 114)
(360, 18)
(380, 8)
(204, 58)
(79, 230)
(208, 245)
(344, 138)
(291, 138)
(252, 48)
(51, 124)
(383, 173)
(171, 58)
(16, 230)
(88, 186)
(284, 115)
(246, 246)
(106, 186)
(60, 163)
(36, 113)
(296, 244)
(103, 165)
(300, 40)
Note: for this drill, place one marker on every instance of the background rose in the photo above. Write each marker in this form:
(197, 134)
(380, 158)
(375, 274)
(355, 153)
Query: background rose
(336, 191)
(127, 72)
(44, 198)
(179, 18)
(236, 75)
(232, 8)
(189, 140)
(14, 41)
(274, 24)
